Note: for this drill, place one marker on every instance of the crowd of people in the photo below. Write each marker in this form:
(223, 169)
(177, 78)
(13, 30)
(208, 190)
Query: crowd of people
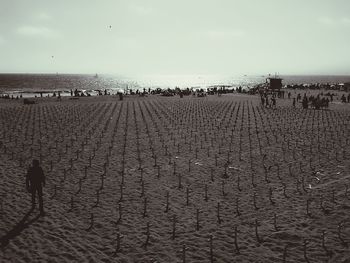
(319, 101)
(268, 98)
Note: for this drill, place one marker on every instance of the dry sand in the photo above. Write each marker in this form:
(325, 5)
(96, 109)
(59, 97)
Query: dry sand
(256, 165)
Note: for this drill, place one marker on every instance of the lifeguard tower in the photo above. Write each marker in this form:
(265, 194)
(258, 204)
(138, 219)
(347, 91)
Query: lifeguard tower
(274, 84)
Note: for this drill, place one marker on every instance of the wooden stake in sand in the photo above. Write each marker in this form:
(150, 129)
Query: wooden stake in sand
(211, 249)
(155, 161)
(343, 242)
(346, 192)
(333, 197)
(97, 198)
(257, 232)
(187, 196)
(328, 253)
(179, 181)
(54, 193)
(285, 254)
(303, 183)
(71, 204)
(254, 201)
(91, 222)
(266, 173)
(120, 213)
(223, 188)
(236, 241)
(275, 222)
(197, 219)
(118, 248)
(2, 210)
(307, 208)
(104, 169)
(142, 189)
(237, 207)
(64, 176)
(270, 196)
(144, 214)
(218, 213)
(238, 184)
(167, 202)
(206, 193)
(324, 210)
(305, 251)
(121, 193)
(79, 189)
(123, 173)
(183, 254)
(284, 190)
(174, 227)
(85, 172)
(252, 180)
(147, 236)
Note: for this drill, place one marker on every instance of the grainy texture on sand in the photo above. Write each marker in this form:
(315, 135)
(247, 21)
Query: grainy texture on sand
(239, 164)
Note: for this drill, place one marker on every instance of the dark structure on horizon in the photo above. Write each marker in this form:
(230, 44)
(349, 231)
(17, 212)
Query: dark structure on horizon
(275, 83)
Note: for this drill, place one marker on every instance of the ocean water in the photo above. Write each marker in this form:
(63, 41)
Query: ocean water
(32, 84)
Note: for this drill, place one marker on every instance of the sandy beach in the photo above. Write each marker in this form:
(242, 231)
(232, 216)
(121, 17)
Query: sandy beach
(165, 179)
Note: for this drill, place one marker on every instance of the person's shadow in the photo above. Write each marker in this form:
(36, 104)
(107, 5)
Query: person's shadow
(18, 228)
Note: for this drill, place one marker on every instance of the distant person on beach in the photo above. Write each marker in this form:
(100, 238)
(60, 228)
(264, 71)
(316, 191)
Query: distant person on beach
(293, 102)
(262, 100)
(343, 98)
(35, 180)
(298, 97)
(305, 102)
(273, 99)
(267, 101)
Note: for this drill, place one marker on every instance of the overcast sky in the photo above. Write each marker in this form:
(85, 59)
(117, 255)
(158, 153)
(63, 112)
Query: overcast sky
(175, 37)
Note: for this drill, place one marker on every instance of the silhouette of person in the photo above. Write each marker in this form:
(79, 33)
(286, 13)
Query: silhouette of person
(262, 100)
(35, 180)
(273, 99)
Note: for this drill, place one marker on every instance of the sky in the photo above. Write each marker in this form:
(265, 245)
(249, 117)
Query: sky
(140, 37)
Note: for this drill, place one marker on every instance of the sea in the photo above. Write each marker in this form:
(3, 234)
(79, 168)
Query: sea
(31, 85)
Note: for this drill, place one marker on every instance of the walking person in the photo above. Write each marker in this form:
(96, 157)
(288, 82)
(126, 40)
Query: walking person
(35, 180)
